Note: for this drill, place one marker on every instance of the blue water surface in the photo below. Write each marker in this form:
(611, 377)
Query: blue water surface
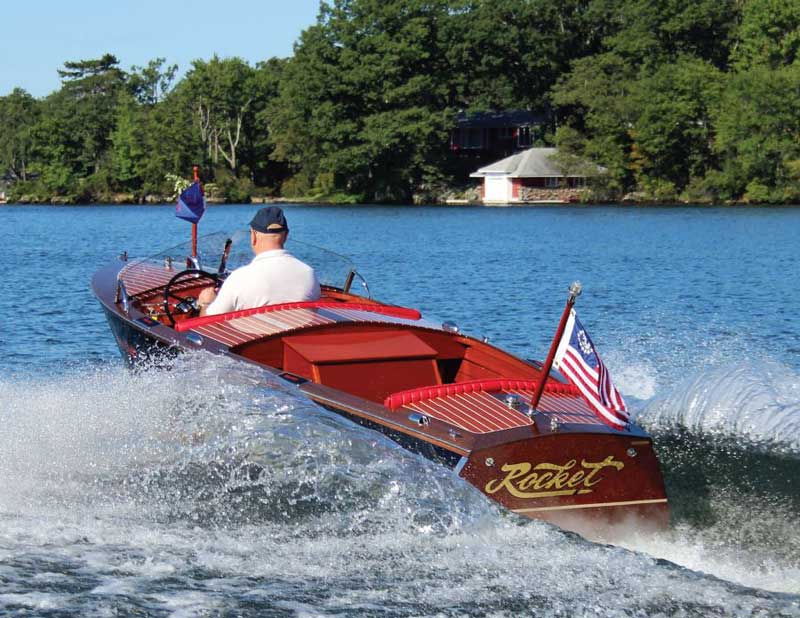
(719, 277)
(202, 491)
(674, 287)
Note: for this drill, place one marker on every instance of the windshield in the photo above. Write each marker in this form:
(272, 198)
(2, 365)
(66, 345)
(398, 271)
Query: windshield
(332, 269)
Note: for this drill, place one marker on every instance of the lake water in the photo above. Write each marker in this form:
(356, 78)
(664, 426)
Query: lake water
(127, 494)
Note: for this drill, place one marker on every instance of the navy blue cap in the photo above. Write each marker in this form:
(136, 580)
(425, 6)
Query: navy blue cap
(269, 220)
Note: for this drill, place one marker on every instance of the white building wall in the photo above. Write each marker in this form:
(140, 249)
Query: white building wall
(497, 189)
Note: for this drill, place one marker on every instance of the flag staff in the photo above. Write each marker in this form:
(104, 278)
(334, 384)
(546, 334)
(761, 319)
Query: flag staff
(194, 225)
(574, 292)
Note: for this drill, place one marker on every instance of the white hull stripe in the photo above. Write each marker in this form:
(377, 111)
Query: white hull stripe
(590, 506)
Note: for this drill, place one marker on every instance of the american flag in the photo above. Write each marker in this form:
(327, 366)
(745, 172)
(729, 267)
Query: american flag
(577, 360)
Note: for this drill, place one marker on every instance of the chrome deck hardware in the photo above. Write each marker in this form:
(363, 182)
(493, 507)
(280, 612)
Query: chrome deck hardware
(122, 296)
(195, 339)
(450, 327)
(419, 419)
(514, 401)
(349, 282)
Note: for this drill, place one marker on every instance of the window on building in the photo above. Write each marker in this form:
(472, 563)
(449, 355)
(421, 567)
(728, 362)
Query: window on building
(474, 138)
(552, 182)
(467, 139)
(524, 137)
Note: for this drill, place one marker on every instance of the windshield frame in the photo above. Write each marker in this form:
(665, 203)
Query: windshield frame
(333, 270)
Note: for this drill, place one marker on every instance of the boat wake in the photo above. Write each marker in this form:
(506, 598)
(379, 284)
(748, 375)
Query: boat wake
(213, 442)
(164, 491)
(729, 443)
(756, 405)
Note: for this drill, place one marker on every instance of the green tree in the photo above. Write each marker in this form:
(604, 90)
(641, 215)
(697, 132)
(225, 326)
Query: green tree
(673, 133)
(311, 110)
(152, 135)
(221, 94)
(257, 152)
(128, 144)
(668, 96)
(657, 31)
(363, 102)
(171, 143)
(769, 34)
(595, 98)
(644, 103)
(507, 54)
(90, 89)
(151, 84)
(758, 132)
(57, 147)
(18, 114)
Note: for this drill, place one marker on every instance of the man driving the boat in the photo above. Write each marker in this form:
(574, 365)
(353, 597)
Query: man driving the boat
(274, 275)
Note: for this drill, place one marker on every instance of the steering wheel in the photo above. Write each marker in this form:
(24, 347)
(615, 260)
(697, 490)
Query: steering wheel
(185, 304)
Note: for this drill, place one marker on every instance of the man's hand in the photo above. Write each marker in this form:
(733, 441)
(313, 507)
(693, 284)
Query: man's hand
(205, 298)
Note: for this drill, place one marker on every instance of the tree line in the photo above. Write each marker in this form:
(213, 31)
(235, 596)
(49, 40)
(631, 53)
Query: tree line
(696, 101)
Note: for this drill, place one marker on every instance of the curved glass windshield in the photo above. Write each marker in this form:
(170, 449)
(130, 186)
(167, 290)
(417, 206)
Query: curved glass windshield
(332, 269)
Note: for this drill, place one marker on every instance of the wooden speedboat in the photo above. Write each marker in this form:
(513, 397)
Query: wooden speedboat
(452, 398)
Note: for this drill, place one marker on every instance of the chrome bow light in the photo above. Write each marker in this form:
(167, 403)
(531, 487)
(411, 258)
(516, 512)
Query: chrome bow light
(122, 296)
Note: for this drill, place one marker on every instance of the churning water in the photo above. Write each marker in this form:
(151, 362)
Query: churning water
(209, 490)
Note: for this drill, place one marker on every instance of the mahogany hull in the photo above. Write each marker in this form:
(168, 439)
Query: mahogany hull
(139, 349)
(577, 480)
(586, 477)
(580, 476)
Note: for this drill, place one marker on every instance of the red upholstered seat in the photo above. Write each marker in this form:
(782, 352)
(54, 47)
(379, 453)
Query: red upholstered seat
(392, 310)
(414, 395)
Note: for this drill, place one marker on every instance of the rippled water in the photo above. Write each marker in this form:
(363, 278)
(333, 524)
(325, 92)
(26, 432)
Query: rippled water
(205, 491)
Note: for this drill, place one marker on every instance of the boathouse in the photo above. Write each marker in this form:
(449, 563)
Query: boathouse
(534, 175)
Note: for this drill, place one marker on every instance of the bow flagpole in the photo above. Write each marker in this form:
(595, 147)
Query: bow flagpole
(196, 178)
(574, 292)
(191, 206)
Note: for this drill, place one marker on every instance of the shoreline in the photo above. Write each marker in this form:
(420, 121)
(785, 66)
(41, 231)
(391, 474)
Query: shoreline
(444, 199)
(459, 204)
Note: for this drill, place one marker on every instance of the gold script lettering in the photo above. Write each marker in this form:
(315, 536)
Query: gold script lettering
(548, 479)
(596, 467)
(514, 472)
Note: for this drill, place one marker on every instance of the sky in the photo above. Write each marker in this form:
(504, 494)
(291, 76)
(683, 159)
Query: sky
(38, 36)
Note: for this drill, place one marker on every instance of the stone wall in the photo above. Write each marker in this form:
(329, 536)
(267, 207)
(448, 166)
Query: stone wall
(535, 194)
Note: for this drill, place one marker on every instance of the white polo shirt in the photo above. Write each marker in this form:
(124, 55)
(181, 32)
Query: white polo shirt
(273, 277)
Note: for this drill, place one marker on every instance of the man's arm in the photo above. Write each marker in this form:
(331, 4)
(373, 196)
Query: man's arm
(205, 299)
(213, 303)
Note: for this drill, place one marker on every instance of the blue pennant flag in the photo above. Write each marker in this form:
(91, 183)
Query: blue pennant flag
(191, 203)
